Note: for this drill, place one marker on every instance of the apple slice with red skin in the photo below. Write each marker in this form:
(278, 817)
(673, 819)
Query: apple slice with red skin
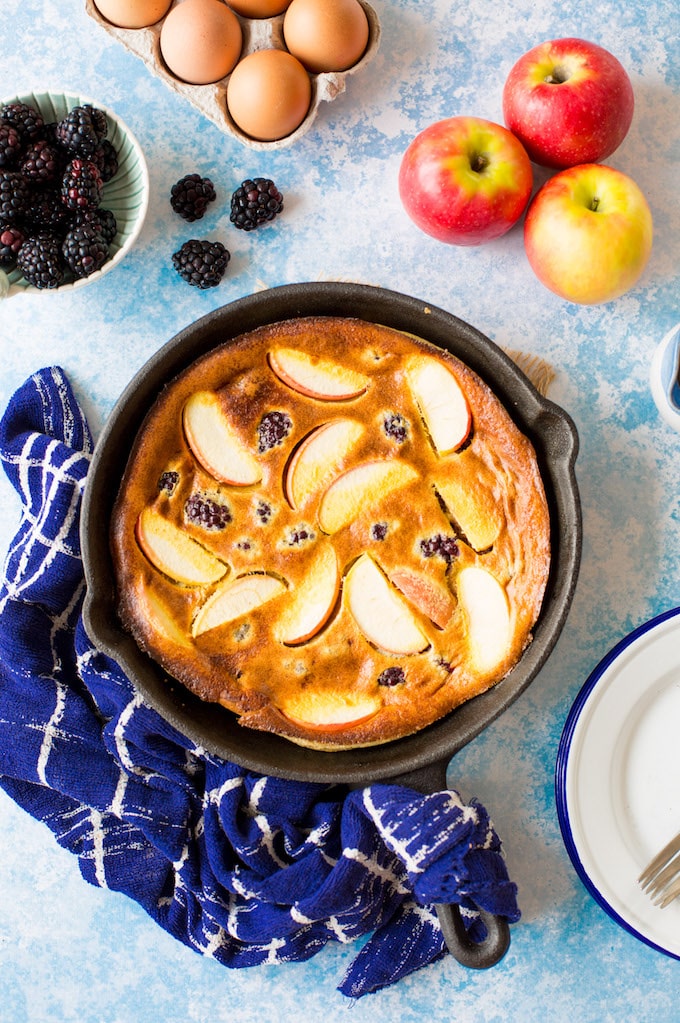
(441, 402)
(215, 444)
(359, 488)
(237, 598)
(317, 459)
(174, 553)
(316, 378)
(312, 602)
(382, 615)
(328, 711)
(487, 609)
(432, 599)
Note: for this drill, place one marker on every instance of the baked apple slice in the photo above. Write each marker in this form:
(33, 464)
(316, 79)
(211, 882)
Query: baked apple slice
(380, 612)
(312, 602)
(236, 598)
(430, 597)
(174, 553)
(441, 402)
(359, 488)
(316, 378)
(329, 711)
(318, 458)
(215, 444)
(487, 609)
(473, 509)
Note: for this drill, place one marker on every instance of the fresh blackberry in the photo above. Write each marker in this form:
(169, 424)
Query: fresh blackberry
(106, 158)
(10, 145)
(201, 263)
(191, 195)
(443, 546)
(81, 186)
(40, 262)
(99, 121)
(26, 119)
(41, 162)
(45, 210)
(203, 511)
(11, 240)
(272, 430)
(256, 201)
(391, 677)
(77, 132)
(14, 195)
(168, 482)
(395, 426)
(102, 220)
(84, 251)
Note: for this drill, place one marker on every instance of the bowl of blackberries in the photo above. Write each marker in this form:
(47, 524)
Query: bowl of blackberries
(74, 191)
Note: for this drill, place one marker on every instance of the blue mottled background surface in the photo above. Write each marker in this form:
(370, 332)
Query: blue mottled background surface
(70, 952)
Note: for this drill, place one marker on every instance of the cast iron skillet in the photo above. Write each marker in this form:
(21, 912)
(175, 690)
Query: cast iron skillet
(419, 761)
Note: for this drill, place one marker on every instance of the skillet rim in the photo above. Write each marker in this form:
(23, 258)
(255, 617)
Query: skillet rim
(215, 730)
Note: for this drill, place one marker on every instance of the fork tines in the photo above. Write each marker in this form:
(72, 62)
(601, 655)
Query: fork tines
(661, 878)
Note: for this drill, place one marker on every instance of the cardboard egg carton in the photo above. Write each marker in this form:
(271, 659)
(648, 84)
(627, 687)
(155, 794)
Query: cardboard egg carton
(258, 34)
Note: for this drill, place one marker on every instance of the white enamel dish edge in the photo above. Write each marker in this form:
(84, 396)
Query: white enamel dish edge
(617, 781)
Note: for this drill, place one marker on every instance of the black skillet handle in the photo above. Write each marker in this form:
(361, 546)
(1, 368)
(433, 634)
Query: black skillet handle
(476, 955)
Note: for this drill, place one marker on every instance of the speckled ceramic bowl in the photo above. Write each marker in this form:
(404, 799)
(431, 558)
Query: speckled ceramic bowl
(126, 194)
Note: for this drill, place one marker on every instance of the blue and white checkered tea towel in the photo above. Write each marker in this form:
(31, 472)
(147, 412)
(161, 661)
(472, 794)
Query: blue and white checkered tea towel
(244, 868)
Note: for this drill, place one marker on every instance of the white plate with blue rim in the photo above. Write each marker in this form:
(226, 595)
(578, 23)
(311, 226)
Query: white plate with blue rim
(617, 780)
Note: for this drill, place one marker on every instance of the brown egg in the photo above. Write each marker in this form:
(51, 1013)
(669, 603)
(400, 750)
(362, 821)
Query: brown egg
(201, 41)
(132, 13)
(268, 94)
(326, 35)
(258, 8)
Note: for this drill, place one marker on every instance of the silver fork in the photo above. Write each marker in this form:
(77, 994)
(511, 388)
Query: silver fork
(661, 877)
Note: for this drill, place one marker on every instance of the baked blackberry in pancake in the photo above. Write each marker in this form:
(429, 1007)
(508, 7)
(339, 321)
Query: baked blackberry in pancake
(333, 529)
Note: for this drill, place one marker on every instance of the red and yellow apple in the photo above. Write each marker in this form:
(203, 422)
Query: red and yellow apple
(465, 180)
(588, 234)
(569, 102)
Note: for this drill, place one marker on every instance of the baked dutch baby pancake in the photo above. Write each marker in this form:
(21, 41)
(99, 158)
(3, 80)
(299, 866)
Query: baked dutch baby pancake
(333, 529)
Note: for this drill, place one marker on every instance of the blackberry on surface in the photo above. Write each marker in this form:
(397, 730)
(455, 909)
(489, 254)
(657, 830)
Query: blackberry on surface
(11, 240)
(203, 511)
(84, 251)
(26, 119)
(41, 162)
(191, 195)
(255, 202)
(10, 145)
(81, 186)
(103, 220)
(391, 677)
(201, 263)
(40, 260)
(14, 195)
(443, 546)
(78, 132)
(272, 430)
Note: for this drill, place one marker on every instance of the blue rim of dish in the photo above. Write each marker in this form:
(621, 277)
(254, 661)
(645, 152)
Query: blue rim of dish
(563, 762)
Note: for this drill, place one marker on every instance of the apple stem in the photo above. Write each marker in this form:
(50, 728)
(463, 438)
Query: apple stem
(479, 162)
(557, 76)
(594, 204)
